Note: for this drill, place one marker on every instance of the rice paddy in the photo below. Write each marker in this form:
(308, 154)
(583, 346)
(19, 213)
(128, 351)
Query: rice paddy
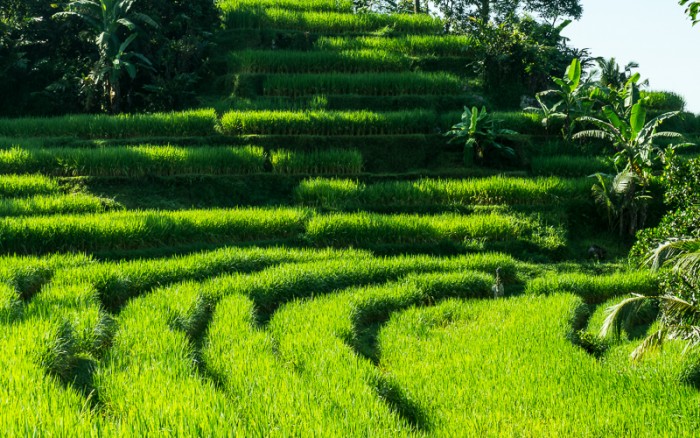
(285, 287)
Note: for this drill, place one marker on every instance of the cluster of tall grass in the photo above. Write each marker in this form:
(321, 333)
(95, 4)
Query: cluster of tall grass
(535, 382)
(133, 161)
(595, 289)
(414, 45)
(17, 186)
(475, 231)
(344, 194)
(371, 84)
(151, 229)
(328, 122)
(349, 61)
(292, 5)
(331, 161)
(42, 205)
(568, 166)
(161, 328)
(147, 229)
(190, 123)
(329, 22)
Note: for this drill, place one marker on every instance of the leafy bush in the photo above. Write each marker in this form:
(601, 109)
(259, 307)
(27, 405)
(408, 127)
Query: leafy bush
(682, 179)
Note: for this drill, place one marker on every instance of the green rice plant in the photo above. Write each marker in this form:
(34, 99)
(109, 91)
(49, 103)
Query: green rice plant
(190, 123)
(148, 354)
(10, 304)
(285, 62)
(117, 282)
(158, 329)
(330, 22)
(16, 186)
(31, 400)
(316, 336)
(569, 166)
(372, 84)
(147, 229)
(26, 275)
(135, 161)
(278, 285)
(56, 204)
(348, 194)
(534, 380)
(293, 5)
(330, 161)
(413, 45)
(327, 123)
(365, 229)
(595, 289)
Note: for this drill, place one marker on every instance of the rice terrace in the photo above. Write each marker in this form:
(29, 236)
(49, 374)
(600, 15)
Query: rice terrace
(341, 218)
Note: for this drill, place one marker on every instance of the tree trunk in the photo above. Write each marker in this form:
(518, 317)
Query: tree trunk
(416, 6)
(485, 10)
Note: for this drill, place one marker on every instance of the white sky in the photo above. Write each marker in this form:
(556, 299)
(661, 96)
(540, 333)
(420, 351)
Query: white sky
(654, 33)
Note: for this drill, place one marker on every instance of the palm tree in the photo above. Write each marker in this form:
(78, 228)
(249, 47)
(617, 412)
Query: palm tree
(680, 318)
(610, 75)
(107, 19)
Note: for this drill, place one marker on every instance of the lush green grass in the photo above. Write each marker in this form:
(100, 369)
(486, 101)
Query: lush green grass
(416, 45)
(327, 122)
(15, 186)
(331, 161)
(569, 166)
(329, 22)
(595, 289)
(294, 5)
(133, 161)
(370, 84)
(56, 204)
(350, 61)
(183, 124)
(473, 231)
(507, 368)
(146, 229)
(346, 194)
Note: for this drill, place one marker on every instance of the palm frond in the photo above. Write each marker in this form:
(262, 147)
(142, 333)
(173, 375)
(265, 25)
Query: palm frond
(683, 254)
(678, 309)
(651, 342)
(621, 313)
(595, 134)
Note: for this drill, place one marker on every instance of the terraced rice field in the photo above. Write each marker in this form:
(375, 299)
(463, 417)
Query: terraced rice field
(292, 269)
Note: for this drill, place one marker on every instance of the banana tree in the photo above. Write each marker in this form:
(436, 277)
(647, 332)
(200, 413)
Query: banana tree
(632, 139)
(571, 101)
(109, 21)
(478, 131)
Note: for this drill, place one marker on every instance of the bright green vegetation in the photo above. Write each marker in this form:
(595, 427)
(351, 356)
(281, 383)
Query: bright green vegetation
(327, 123)
(147, 229)
(367, 84)
(332, 161)
(133, 161)
(187, 123)
(328, 22)
(351, 61)
(443, 45)
(436, 355)
(27, 185)
(306, 5)
(312, 257)
(344, 194)
(55, 204)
